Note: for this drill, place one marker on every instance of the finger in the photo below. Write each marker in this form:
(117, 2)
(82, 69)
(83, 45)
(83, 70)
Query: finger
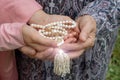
(38, 47)
(78, 46)
(33, 36)
(85, 31)
(44, 41)
(70, 47)
(75, 54)
(70, 40)
(37, 38)
(66, 37)
(89, 42)
(72, 34)
(43, 55)
(76, 29)
(28, 50)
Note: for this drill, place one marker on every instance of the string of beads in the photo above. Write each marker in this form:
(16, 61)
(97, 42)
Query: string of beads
(57, 31)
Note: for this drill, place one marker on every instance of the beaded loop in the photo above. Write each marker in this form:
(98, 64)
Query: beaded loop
(57, 31)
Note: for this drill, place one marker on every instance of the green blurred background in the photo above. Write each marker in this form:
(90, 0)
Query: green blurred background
(114, 66)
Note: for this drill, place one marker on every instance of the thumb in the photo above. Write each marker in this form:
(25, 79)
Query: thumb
(85, 31)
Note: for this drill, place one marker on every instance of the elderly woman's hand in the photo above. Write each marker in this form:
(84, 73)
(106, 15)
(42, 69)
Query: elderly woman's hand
(36, 46)
(43, 55)
(87, 29)
(42, 18)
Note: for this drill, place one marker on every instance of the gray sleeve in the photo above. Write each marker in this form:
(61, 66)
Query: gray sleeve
(104, 11)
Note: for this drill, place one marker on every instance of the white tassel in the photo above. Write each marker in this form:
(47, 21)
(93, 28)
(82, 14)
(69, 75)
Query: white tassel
(61, 60)
(61, 63)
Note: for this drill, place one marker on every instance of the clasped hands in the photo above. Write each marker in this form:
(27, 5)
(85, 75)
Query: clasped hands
(75, 43)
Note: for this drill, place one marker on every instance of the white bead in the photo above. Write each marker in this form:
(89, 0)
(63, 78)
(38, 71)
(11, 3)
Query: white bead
(54, 23)
(60, 22)
(70, 21)
(55, 31)
(63, 22)
(32, 24)
(53, 38)
(67, 21)
(55, 27)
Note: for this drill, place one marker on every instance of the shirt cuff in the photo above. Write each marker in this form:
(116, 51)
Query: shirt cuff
(11, 36)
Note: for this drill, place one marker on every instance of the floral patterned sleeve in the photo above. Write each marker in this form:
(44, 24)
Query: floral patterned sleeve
(104, 11)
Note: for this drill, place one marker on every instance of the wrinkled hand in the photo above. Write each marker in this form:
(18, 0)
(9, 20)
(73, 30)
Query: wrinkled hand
(37, 46)
(42, 18)
(32, 53)
(87, 29)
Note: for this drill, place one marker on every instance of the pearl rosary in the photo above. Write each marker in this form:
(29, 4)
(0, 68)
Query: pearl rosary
(57, 31)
